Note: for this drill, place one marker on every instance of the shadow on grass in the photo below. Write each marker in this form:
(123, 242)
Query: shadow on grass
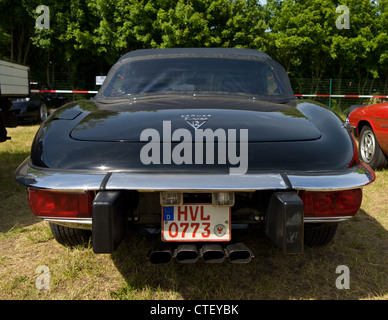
(14, 208)
(360, 244)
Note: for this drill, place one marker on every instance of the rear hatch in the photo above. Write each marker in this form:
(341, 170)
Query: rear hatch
(265, 122)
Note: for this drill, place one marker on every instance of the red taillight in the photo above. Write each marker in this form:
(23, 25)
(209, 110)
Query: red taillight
(60, 204)
(331, 203)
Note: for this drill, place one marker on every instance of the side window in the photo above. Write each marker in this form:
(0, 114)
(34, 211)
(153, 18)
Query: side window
(272, 84)
(116, 86)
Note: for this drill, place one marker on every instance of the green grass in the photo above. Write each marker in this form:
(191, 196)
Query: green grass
(26, 243)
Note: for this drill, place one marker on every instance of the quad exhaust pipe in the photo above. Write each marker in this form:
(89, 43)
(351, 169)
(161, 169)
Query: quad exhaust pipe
(238, 253)
(213, 253)
(187, 253)
(161, 255)
(210, 253)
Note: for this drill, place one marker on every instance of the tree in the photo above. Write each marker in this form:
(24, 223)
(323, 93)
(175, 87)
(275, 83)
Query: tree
(300, 35)
(16, 27)
(90, 35)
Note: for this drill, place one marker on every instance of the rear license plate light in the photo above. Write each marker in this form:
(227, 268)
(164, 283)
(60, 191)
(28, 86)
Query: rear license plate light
(171, 198)
(223, 199)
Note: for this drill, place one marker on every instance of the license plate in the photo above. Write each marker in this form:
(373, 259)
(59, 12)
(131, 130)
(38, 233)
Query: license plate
(196, 222)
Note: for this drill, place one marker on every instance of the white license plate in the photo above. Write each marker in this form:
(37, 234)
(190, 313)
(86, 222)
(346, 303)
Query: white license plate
(196, 222)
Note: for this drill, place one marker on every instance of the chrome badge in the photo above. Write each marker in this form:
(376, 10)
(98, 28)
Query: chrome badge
(196, 120)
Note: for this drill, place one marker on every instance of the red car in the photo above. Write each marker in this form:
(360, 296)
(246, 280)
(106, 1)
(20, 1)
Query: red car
(370, 124)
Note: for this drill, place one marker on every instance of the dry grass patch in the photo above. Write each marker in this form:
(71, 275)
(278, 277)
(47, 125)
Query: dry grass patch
(26, 243)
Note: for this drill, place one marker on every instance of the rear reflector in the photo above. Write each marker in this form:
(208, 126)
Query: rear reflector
(331, 203)
(60, 204)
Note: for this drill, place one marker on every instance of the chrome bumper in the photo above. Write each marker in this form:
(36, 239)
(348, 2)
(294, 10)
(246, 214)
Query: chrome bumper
(80, 181)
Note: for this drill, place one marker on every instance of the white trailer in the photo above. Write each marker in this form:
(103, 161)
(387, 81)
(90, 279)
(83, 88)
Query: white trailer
(14, 80)
(14, 83)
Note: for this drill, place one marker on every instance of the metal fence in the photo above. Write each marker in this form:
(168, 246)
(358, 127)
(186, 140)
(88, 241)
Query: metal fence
(350, 87)
(332, 87)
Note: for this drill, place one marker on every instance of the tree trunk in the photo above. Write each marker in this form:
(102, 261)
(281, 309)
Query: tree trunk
(11, 45)
(27, 50)
(20, 44)
(48, 67)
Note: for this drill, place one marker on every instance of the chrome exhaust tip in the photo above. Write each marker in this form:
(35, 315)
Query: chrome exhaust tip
(212, 253)
(186, 253)
(160, 255)
(239, 253)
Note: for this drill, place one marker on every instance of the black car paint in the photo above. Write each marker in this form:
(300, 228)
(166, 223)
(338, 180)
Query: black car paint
(297, 136)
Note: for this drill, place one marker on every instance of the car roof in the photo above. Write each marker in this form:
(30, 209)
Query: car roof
(195, 51)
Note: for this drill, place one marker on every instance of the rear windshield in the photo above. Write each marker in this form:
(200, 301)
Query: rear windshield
(216, 75)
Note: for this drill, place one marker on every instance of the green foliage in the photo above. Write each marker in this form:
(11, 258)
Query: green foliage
(300, 34)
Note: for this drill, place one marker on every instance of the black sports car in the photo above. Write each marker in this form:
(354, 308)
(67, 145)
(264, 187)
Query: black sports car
(36, 107)
(193, 143)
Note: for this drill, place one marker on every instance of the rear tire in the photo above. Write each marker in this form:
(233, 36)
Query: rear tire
(70, 236)
(316, 235)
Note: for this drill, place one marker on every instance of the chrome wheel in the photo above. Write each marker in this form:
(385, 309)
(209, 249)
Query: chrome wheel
(369, 149)
(42, 113)
(367, 145)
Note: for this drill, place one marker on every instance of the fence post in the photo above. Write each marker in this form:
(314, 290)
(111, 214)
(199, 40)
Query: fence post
(330, 93)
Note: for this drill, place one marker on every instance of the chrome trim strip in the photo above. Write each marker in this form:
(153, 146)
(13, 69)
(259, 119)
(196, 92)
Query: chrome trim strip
(77, 223)
(195, 182)
(68, 220)
(86, 223)
(65, 180)
(43, 178)
(326, 219)
(355, 177)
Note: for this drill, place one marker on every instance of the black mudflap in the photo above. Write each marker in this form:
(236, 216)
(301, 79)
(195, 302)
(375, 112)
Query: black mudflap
(285, 222)
(109, 221)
